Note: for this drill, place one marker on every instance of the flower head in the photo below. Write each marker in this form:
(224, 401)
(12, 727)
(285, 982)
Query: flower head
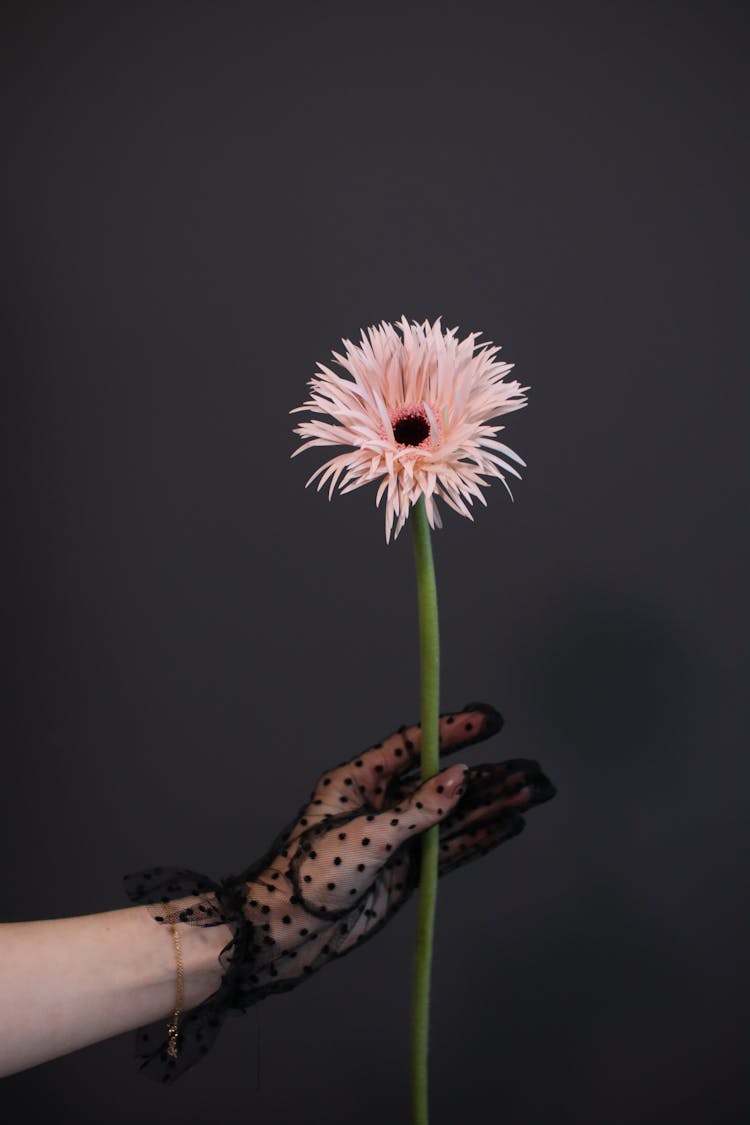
(416, 414)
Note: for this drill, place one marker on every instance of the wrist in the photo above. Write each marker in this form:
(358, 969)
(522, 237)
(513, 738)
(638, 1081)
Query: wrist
(200, 948)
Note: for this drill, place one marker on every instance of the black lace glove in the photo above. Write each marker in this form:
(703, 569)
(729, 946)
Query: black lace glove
(344, 867)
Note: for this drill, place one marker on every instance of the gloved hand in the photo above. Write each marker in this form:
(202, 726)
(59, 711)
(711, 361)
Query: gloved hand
(343, 868)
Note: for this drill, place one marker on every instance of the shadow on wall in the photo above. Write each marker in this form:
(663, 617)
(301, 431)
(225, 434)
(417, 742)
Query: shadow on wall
(607, 673)
(611, 689)
(604, 940)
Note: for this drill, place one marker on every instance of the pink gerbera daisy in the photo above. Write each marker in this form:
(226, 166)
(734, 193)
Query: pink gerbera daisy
(416, 414)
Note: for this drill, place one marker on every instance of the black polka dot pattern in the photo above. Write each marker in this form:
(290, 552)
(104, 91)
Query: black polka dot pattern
(290, 914)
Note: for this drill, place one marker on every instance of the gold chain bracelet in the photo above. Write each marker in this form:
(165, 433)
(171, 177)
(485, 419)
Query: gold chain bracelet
(174, 1023)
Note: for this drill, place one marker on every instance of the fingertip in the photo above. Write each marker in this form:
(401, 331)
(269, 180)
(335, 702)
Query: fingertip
(452, 782)
(473, 723)
(493, 719)
(436, 798)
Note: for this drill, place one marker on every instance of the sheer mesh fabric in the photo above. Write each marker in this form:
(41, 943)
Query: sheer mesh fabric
(332, 879)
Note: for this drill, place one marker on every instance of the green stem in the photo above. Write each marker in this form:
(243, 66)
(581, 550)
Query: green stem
(429, 647)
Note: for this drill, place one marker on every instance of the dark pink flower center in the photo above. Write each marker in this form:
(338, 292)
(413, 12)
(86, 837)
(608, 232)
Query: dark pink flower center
(411, 426)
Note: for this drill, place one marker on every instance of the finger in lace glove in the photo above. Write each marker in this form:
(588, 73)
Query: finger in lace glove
(339, 872)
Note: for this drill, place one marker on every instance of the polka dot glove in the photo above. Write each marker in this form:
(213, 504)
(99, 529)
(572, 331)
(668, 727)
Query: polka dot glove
(343, 868)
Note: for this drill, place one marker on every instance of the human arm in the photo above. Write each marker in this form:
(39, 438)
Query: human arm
(331, 880)
(69, 982)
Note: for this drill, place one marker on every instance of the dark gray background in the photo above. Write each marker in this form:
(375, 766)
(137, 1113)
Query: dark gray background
(200, 201)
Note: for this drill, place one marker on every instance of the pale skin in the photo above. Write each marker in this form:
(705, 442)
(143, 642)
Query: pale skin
(70, 982)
